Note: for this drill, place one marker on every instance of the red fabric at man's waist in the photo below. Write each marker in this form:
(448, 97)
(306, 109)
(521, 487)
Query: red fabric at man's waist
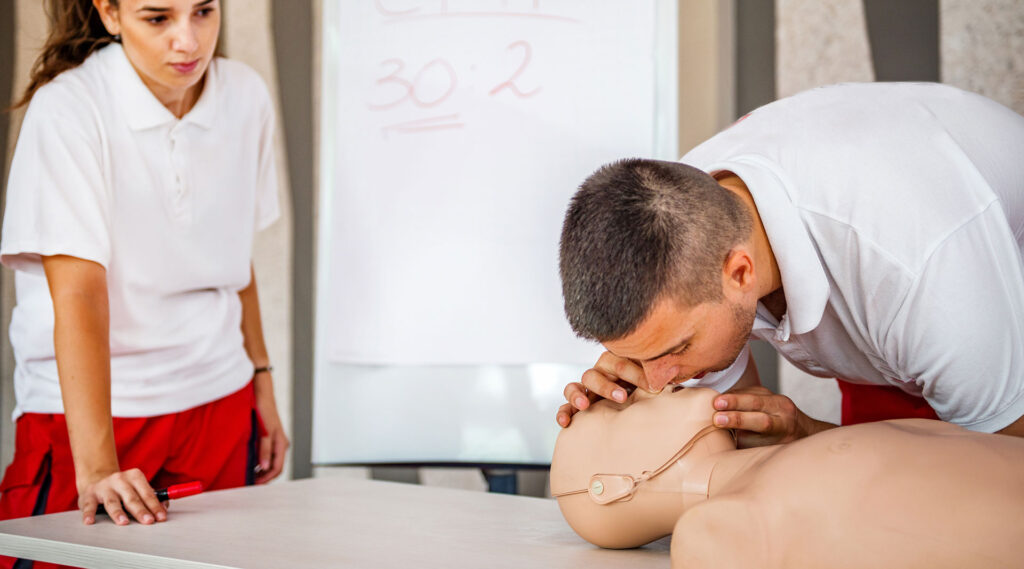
(867, 403)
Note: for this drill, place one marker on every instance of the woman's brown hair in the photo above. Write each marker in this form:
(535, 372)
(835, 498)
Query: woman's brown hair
(75, 32)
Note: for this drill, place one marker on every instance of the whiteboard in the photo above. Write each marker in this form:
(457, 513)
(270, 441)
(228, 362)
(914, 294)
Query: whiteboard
(453, 134)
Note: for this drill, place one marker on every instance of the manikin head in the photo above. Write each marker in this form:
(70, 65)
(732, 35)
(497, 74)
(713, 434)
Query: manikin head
(656, 261)
(610, 442)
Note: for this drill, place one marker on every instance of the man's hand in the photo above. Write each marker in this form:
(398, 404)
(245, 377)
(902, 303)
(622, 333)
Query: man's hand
(605, 380)
(763, 418)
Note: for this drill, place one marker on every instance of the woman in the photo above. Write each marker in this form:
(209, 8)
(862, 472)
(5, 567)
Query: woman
(143, 168)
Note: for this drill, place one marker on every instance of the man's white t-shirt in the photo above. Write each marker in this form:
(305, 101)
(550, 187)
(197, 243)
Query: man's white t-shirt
(896, 214)
(104, 172)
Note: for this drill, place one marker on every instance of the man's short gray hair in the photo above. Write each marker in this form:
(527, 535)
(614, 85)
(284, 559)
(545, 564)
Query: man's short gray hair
(637, 230)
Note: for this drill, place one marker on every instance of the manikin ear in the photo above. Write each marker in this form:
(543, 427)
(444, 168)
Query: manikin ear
(738, 277)
(109, 14)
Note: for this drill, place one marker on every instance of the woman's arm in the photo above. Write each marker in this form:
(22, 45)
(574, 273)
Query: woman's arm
(274, 444)
(81, 337)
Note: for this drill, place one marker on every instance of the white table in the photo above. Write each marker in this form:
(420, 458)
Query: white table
(328, 522)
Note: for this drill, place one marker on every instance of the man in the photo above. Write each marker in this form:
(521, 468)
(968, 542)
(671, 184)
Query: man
(868, 232)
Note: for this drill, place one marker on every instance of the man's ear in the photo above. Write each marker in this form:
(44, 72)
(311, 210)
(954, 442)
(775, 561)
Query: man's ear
(738, 271)
(108, 13)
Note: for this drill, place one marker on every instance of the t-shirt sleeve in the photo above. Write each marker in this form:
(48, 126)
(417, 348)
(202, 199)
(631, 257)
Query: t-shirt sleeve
(57, 196)
(960, 332)
(267, 209)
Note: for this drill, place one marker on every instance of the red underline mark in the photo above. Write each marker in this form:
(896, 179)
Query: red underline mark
(440, 122)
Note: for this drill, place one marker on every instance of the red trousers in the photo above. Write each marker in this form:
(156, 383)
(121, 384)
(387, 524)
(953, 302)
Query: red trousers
(215, 443)
(867, 403)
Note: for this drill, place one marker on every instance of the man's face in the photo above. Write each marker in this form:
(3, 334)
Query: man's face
(675, 343)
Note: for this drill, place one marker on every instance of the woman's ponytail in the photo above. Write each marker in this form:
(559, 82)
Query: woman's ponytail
(75, 32)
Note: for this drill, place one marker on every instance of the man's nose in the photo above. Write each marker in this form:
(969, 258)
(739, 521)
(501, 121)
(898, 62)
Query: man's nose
(659, 374)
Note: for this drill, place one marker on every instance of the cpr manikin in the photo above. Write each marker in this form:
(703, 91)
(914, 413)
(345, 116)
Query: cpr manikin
(902, 493)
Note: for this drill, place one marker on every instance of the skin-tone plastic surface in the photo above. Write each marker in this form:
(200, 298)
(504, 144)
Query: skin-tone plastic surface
(902, 493)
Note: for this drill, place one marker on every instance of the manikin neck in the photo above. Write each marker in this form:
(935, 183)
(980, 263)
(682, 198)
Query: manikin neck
(712, 475)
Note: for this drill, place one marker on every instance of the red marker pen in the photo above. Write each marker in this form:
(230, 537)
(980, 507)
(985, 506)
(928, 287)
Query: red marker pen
(170, 493)
(179, 491)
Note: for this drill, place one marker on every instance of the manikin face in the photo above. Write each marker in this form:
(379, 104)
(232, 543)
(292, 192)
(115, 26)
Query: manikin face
(169, 42)
(675, 343)
(628, 439)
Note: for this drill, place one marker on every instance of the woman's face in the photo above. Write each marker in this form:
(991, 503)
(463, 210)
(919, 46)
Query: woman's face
(169, 42)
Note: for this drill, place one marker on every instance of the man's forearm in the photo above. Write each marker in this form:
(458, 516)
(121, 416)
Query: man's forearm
(1015, 428)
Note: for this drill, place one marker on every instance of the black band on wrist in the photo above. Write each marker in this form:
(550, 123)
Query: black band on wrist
(263, 369)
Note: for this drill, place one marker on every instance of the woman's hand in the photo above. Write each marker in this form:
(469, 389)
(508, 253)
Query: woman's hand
(117, 492)
(274, 445)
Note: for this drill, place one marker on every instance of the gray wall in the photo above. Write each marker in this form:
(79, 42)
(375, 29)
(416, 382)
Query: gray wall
(7, 59)
(982, 48)
(755, 86)
(294, 35)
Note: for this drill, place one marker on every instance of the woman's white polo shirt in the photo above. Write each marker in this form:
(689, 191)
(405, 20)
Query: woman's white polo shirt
(104, 172)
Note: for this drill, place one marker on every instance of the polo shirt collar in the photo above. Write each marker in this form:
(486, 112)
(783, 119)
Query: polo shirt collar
(141, 108)
(204, 111)
(803, 278)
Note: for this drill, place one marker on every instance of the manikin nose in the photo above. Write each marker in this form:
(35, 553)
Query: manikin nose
(641, 394)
